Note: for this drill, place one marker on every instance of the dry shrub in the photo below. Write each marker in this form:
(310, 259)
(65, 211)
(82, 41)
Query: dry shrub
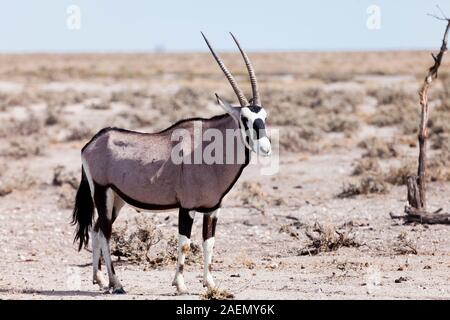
(399, 175)
(66, 197)
(173, 106)
(439, 125)
(217, 294)
(134, 119)
(67, 183)
(140, 242)
(397, 96)
(366, 184)
(79, 131)
(134, 242)
(299, 139)
(24, 147)
(253, 196)
(396, 107)
(399, 107)
(53, 116)
(439, 166)
(99, 104)
(440, 141)
(326, 238)
(341, 123)
(133, 98)
(5, 188)
(16, 180)
(27, 126)
(401, 117)
(13, 99)
(62, 98)
(288, 229)
(404, 245)
(249, 264)
(366, 165)
(378, 148)
(63, 176)
(386, 115)
(313, 110)
(51, 98)
(438, 170)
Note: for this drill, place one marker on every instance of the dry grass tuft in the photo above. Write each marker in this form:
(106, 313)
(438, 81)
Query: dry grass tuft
(439, 166)
(404, 245)
(299, 139)
(66, 197)
(327, 238)
(23, 127)
(17, 180)
(341, 123)
(67, 183)
(366, 184)
(217, 294)
(399, 175)
(141, 242)
(23, 147)
(378, 148)
(62, 176)
(79, 131)
(365, 165)
(253, 196)
(134, 242)
(396, 107)
(5, 189)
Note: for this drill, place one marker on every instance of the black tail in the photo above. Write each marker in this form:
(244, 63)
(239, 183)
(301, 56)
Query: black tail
(83, 213)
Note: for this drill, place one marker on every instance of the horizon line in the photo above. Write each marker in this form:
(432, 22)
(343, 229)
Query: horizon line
(158, 51)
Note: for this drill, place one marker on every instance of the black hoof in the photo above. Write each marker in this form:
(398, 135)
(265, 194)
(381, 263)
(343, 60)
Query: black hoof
(118, 291)
(114, 291)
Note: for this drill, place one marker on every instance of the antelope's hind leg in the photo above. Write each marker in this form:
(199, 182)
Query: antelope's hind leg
(98, 277)
(209, 232)
(96, 259)
(108, 205)
(185, 221)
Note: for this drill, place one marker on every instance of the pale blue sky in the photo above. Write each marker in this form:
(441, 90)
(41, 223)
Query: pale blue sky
(139, 25)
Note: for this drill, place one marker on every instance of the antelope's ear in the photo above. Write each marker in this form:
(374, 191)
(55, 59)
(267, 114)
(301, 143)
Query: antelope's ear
(232, 111)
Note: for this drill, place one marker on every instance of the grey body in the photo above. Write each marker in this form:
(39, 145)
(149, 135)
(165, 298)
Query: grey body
(138, 166)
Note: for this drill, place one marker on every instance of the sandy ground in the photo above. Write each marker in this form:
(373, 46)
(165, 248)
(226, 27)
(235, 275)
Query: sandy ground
(257, 252)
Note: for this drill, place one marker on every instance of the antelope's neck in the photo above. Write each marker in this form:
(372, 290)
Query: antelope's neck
(229, 123)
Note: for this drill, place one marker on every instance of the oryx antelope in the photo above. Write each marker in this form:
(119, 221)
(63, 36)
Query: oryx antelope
(121, 166)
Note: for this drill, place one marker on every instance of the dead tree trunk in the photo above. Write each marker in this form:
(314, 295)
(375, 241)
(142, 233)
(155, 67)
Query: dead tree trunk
(416, 210)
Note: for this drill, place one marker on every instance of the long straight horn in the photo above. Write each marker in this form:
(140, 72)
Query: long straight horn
(251, 73)
(242, 99)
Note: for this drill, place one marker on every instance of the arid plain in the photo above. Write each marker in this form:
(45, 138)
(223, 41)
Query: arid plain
(319, 228)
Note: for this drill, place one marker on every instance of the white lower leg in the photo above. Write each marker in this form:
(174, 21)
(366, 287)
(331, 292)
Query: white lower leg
(96, 254)
(114, 283)
(183, 248)
(208, 246)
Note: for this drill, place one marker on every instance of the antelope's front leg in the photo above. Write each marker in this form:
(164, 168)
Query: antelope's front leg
(209, 231)
(185, 221)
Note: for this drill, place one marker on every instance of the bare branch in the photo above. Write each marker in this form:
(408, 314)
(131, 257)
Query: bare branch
(416, 210)
(443, 17)
(442, 12)
(436, 17)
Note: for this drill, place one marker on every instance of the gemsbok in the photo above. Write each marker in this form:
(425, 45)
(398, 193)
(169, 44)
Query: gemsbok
(142, 169)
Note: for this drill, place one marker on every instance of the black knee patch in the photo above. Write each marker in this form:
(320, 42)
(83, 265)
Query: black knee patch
(209, 226)
(185, 223)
